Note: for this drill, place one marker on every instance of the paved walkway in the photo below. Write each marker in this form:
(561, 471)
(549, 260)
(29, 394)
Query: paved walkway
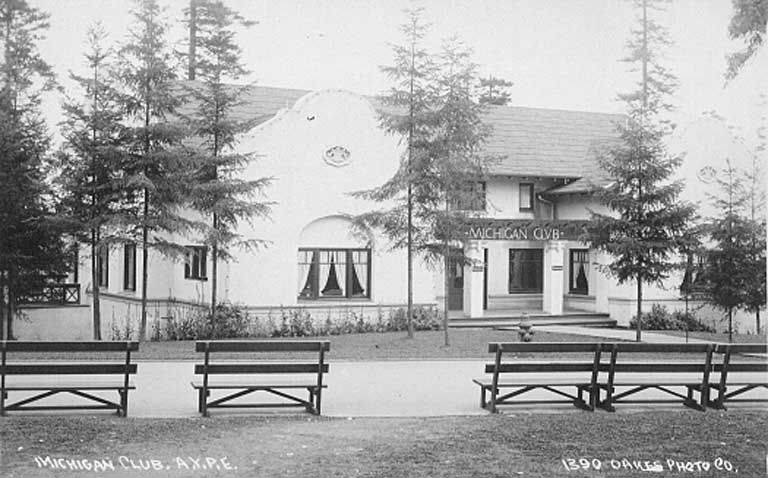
(616, 334)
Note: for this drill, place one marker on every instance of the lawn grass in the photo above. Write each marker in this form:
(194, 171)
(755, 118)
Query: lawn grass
(507, 445)
(718, 337)
(465, 344)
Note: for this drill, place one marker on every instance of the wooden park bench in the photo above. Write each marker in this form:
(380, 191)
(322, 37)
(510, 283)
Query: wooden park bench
(752, 374)
(577, 374)
(82, 378)
(680, 375)
(245, 377)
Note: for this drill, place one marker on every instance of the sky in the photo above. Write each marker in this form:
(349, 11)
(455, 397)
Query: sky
(561, 54)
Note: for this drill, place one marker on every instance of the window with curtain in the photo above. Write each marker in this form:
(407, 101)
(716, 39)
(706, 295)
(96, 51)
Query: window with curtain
(129, 267)
(196, 263)
(334, 273)
(579, 271)
(525, 270)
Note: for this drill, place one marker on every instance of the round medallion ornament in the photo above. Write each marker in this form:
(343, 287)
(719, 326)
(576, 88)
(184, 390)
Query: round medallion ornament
(337, 156)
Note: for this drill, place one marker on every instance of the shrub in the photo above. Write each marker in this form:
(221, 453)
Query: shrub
(226, 322)
(659, 318)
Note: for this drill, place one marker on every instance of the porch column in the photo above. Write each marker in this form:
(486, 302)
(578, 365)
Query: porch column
(554, 255)
(473, 280)
(601, 286)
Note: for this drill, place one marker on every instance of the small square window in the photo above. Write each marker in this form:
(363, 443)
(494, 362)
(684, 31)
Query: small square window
(526, 196)
(195, 266)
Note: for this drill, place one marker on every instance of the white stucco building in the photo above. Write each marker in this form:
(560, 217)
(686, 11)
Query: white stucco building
(319, 147)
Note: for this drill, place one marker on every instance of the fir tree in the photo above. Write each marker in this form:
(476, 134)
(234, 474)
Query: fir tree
(408, 114)
(91, 159)
(159, 168)
(218, 192)
(727, 272)
(446, 195)
(32, 251)
(648, 221)
(494, 91)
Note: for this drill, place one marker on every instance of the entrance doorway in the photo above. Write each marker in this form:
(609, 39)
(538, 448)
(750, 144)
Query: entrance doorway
(456, 280)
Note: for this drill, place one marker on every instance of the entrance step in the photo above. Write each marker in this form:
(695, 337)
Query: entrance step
(512, 321)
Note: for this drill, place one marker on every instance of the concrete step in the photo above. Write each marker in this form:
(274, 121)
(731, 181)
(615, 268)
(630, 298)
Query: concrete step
(512, 321)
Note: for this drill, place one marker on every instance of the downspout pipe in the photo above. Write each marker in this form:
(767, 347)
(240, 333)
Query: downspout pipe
(552, 205)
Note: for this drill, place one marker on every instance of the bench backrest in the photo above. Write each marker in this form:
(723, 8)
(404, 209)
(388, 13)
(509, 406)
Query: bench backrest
(261, 346)
(623, 358)
(726, 351)
(589, 363)
(67, 366)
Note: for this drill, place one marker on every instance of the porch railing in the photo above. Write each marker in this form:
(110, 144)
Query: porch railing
(53, 294)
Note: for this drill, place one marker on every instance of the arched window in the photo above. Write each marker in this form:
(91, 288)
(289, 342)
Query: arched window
(333, 263)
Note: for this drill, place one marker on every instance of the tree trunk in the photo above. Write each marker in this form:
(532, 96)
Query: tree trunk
(214, 275)
(192, 39)
(3, 318)
(757, 320)
(95, 287)
(410, 263)
(144, 269)
(638, 323)
(10, 306)
(446, 289)
(730, 324)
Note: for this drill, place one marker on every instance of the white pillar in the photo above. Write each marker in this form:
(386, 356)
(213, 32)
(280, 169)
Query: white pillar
(601, 287)
(554, 253)
(473, 280)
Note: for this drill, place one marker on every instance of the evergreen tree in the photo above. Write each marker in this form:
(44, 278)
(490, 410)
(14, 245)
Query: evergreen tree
(408, 114)
(218, 192)
(32, 251)
(748, 24)
(648, 221)
(92, 158)
(159, 168)
(494, 91)
(447, 194)
(755, 287)
(727, 273)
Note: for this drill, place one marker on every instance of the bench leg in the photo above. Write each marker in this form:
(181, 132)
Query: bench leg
(202, 399)
(482, 397)
(123, 403)
(311, 407)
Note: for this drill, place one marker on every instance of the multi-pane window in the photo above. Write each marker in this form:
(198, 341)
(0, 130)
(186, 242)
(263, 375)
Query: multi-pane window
(579, 271)
(195, 266)
(526, 196)
(129, 267)
(102, 266)
(334, 273)
(525, 270)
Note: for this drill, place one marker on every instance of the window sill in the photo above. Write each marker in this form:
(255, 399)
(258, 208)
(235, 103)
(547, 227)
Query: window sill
(325, 300)
(199, 279)
(579, 295)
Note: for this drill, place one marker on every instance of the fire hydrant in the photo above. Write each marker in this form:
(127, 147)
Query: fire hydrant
(526, 329)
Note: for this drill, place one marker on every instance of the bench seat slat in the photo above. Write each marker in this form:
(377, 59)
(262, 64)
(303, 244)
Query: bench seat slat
(656, 367)
(534, 381)
(67, 386)
(244, 368)
(68, 369)
(735, 367)
(254, 384)
(258, 346)
(528, 367)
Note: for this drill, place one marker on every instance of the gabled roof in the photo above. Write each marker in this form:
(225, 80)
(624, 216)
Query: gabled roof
(531, 141)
